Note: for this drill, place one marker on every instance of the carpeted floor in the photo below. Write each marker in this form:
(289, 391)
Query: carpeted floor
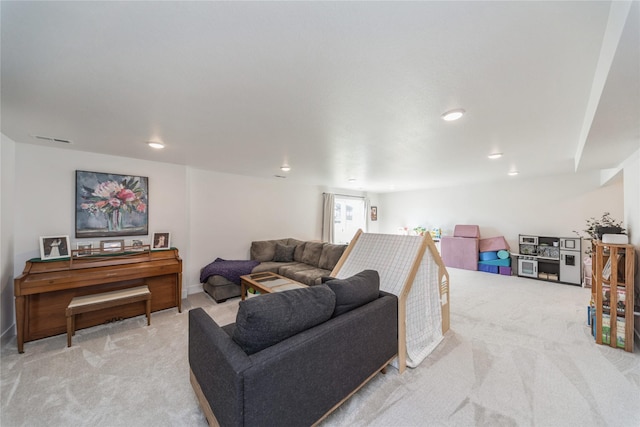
(519, 353)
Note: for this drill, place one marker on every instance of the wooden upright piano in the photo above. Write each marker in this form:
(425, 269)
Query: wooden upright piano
(45, 288)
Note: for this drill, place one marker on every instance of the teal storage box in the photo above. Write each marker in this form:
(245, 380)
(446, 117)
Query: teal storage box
(488, 256)
(488, 268)
(498, 262)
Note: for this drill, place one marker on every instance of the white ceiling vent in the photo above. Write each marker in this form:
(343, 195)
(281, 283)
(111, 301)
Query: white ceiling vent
(50, 139)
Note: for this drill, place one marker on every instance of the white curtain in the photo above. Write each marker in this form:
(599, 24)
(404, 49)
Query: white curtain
(327, 217)
(367, 213)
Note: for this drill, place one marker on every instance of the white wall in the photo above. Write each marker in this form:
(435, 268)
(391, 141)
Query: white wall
(45, 195)
(631, 172)
(551, 206)
(228, 212)
(7, 316)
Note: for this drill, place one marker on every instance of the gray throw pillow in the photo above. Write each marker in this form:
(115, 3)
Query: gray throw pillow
(312, 252)
(268, 319)
(262, 250)
(284, 253)
(330, 255)
(355, 291)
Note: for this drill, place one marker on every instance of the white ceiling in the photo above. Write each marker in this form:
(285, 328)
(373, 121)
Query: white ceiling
(338, 90)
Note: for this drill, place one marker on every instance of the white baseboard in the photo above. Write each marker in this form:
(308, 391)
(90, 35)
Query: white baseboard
(193, 289)
(8, 335)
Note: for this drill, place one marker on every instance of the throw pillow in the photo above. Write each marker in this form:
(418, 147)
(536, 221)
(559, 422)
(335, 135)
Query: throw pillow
(268, 319)
(355, 291)
(330, 255)
(262, 250)
(312, 252)
(284, 253)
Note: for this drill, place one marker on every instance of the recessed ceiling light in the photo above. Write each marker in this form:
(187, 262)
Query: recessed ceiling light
(453, 115)
(285, 168)
(513, 173)
(156, 145)
(495, 156)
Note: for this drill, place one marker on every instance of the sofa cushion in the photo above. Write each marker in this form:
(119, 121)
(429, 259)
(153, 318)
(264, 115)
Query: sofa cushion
(330, 255)
(289, 269)
(264, 250)
(354, 291)
(294, 242)
(283, 253)
(312, 252)
(297, 254)
(310, 277)
(271, 266)
(268, 319)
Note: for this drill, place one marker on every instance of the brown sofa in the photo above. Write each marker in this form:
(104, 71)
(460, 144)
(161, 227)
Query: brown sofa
(303, 261)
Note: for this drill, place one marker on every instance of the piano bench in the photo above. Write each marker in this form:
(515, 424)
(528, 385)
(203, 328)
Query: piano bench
(87, 303)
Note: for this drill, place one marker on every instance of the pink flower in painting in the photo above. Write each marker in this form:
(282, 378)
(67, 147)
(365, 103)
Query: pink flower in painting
(114, 202)
(141, 207)
(101, 203)
(126, 195)
(107, 189)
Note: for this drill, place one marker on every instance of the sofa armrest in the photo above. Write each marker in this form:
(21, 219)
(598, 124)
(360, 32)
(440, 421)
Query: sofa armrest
(217, 362)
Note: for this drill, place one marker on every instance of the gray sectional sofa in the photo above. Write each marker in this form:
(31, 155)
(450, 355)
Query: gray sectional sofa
(303, 261)
(292, 357)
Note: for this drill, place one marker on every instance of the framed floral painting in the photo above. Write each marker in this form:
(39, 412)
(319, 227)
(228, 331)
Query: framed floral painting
(109, 205)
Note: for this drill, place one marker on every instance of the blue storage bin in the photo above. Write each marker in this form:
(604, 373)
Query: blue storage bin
(488, 268)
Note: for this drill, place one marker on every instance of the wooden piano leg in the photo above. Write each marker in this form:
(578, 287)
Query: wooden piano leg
(70, 328)
(20, 313)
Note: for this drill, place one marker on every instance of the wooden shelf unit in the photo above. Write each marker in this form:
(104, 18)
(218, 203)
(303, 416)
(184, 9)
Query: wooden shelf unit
(619, 261)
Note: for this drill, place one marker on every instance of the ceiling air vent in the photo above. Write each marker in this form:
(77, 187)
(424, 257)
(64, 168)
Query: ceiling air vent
(50, 139)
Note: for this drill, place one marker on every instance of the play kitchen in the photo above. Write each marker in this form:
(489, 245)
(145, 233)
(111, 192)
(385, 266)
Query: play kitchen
(550, 258)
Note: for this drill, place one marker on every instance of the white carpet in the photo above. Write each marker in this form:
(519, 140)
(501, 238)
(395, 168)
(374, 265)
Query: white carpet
(519, 353)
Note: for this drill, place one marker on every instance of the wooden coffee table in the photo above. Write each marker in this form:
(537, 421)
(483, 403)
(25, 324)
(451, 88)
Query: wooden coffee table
(266, 283)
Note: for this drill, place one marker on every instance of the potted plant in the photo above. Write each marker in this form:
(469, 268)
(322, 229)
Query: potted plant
(594, 230)
(605, 225)
(420, 230)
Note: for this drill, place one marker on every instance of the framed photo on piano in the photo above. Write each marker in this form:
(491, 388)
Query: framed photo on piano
(54, 247)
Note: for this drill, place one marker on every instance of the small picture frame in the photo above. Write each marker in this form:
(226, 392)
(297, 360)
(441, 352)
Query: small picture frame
(161, 241)
(112, 245)
(54, 247)
(84, 248)
(137, 245)
(374, 213)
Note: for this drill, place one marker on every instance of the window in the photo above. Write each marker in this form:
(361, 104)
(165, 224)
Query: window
(349, 215)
